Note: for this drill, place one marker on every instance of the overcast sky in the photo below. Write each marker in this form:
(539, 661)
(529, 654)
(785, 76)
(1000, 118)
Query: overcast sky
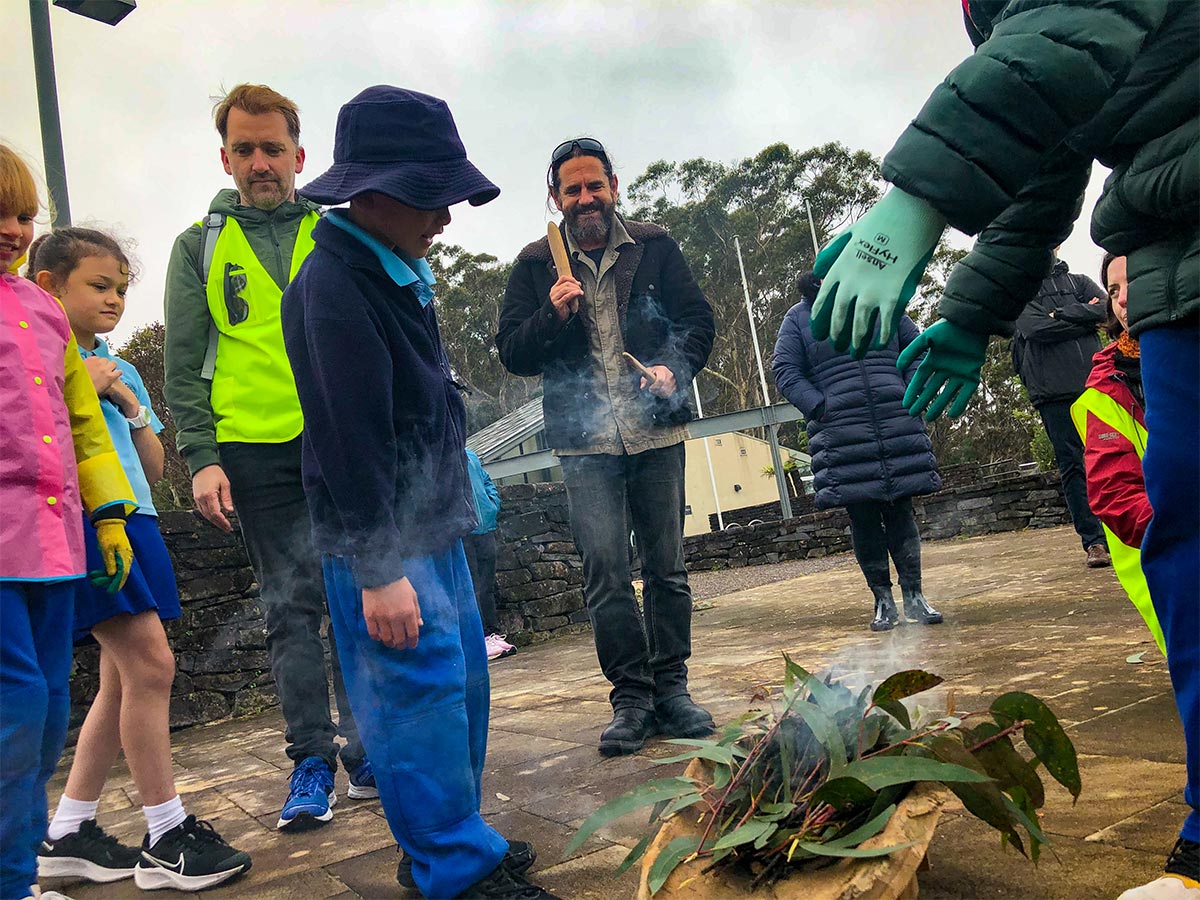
(652, 80)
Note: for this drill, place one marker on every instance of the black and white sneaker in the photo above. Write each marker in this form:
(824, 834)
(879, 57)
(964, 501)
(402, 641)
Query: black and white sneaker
(90, 853)
(189, 857)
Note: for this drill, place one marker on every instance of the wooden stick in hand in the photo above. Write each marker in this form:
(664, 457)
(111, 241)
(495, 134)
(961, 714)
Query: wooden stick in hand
(651, 379)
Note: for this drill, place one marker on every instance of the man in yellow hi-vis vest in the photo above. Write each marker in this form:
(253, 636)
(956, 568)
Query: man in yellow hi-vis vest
(231, 392)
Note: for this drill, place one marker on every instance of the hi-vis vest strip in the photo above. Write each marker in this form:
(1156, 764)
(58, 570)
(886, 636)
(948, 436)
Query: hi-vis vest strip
(1126, 560)
(253, 393)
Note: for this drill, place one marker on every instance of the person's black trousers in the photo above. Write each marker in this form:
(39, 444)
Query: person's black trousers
(878, 528)
(1068, 454)
(481, 560)
(268, 496)
(642, 653)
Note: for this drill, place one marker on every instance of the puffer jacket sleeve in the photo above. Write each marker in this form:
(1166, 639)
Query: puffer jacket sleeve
(1045, 69)
(791, 370)
(992, 284)
(906, 334)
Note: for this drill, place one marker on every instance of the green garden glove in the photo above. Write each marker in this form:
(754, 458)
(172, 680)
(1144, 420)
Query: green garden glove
(948, 375)
(868, 285)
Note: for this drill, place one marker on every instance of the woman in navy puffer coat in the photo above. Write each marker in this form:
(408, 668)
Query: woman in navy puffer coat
(868, 454)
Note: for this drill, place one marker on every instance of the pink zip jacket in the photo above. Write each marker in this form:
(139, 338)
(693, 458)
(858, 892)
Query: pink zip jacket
(56, 456)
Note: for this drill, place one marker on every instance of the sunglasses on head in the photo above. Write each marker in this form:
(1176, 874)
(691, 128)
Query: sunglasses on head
(566, 148)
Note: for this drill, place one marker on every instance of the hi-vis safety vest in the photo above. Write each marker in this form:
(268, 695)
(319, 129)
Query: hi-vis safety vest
(1126, 560)
(253, 392)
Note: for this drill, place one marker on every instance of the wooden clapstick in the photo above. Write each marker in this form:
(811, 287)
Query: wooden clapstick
(558, 250)
(650, 377)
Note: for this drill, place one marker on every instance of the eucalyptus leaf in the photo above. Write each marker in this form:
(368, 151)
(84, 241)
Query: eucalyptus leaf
(678, 804)
(1005, 764)
(646, 794)
(882, 771)
(896, 710)
(745, 834)
(721, 776)
(712, 752)
(844, 794)
(905, 684)
(1028, 819)
(668, 859)
(982, 799)
(825, 731)
(865, 831)
(851, 852)
(762, 840)
(1043, 734)
(636, 853)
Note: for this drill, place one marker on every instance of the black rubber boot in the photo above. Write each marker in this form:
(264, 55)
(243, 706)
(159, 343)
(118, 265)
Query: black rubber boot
(886, 615)
(681, 717)
(627, 731)
(917, 608)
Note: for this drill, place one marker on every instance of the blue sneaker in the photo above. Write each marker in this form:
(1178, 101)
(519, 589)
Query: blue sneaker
(362, 781)
(311, 797)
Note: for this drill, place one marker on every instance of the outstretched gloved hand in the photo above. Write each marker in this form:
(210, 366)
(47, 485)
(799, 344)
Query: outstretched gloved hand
(871, 270)
(118, 555)
(949, 373)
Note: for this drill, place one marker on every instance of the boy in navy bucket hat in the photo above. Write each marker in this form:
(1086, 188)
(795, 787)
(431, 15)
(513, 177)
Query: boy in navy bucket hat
(386, 479)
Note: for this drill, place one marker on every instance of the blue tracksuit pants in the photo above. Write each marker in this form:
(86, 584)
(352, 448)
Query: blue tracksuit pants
(35, 663)
(1171, 547)
(423, 718)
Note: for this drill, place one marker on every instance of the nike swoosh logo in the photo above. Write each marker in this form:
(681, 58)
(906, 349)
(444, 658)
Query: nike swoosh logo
(176, 866)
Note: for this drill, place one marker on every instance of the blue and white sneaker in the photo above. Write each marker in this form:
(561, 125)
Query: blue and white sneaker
(311, 797)
(362, 781)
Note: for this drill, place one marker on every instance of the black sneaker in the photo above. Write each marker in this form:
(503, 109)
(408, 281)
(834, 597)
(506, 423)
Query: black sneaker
(189, 857)
(1184, 860)
(517, 860)
(90, 853)
(505, 885)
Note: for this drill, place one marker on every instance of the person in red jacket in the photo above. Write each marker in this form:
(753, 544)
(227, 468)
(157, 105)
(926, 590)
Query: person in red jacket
(1110, 417)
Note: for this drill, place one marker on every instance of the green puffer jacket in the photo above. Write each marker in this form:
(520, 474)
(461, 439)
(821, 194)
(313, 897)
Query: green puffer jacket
(1004, 146)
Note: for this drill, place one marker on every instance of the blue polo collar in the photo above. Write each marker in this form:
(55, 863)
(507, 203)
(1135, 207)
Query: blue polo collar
(401, 270)
(100, 350)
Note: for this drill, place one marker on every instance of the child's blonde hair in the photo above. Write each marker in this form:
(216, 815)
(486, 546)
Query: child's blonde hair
(18, 190)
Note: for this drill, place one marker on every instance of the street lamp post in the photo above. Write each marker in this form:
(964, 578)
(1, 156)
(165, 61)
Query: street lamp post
(109, 12)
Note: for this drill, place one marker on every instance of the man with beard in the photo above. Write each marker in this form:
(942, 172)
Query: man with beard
(619, 434)
(233, 398)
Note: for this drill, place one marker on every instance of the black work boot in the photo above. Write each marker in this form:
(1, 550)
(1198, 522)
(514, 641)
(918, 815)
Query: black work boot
(503, 884)
(886, 615)
(627, 731)
(681, 717)
(517, 860)
(917, 608)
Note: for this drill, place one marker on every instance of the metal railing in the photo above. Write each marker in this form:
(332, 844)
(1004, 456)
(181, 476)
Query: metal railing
(709, 426)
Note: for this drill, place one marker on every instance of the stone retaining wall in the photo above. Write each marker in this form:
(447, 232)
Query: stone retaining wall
(221, 660)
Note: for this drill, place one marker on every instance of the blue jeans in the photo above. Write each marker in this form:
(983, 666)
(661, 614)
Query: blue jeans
(35, 704)
(643, 653)
(423, 718)
(1171, 547)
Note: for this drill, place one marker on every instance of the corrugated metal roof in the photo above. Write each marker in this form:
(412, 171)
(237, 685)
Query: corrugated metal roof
(493, 441)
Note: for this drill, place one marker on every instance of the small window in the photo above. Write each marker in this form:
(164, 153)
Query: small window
(742, 451)
(687, 510)
(717, 441)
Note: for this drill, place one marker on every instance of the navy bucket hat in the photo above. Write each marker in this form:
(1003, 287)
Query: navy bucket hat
(403, 144)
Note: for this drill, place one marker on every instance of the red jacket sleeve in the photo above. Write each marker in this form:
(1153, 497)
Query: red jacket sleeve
(1116, 490)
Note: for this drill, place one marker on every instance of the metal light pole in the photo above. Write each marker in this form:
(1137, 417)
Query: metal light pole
(109, 12)
(785, 500)
(712, 476)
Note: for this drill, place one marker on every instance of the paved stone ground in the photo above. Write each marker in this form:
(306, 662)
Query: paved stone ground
(1022, 613)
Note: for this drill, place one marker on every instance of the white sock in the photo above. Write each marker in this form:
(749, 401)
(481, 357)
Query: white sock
(162, 818)
(69, 815)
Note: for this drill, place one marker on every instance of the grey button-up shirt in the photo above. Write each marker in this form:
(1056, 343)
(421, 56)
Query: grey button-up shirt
(624, 430)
